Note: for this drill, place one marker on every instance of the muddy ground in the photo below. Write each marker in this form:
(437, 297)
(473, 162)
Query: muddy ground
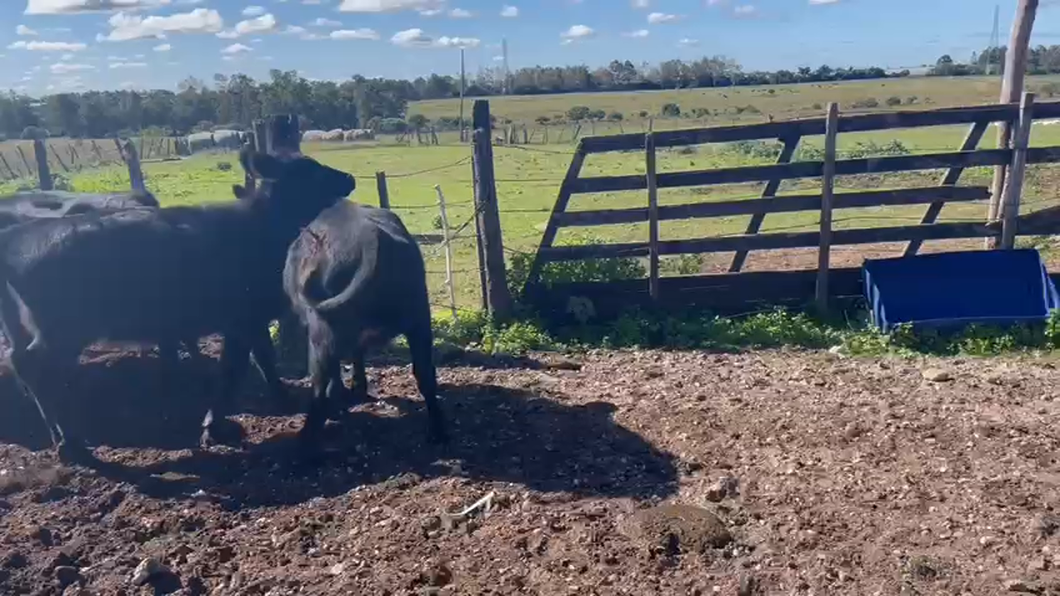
(618, 473)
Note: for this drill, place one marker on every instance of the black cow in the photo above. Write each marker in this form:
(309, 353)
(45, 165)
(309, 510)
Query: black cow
(157, 275)
(356, 278)
(25, 206)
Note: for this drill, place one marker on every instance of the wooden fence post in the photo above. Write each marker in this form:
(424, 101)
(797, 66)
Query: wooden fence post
(132, 160)
(248, 179)
(1014, 179)
(44, 174)
(498, 297)
(653, 216)
(827, 186)
(448, 250)
(384, 194)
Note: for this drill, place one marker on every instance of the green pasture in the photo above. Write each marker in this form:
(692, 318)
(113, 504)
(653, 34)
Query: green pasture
(528, 176)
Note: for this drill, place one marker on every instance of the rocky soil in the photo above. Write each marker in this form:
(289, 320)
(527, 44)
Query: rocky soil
(781, 472)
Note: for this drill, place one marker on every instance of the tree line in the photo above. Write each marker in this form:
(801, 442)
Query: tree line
(235, 101)
(1041, 60)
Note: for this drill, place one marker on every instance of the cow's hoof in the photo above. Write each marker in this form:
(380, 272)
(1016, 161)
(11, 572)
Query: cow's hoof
(222, 432)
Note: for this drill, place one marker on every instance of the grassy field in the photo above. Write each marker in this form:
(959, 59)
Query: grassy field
(528, 178)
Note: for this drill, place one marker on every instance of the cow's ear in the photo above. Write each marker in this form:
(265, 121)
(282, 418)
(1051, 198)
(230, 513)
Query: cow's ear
(266, 166)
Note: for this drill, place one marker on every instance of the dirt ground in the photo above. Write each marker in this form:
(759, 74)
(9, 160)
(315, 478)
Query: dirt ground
(780, 472)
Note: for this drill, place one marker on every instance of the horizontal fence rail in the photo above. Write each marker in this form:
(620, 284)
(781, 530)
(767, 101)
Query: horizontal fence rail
(815, 126)
(790, 133)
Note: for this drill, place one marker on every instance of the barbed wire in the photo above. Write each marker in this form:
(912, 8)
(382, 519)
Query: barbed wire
(459, 162)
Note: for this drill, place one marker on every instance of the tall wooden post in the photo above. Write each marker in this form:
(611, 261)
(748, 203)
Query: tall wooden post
(1011, 88)
(132, 161)
(44, 173)
(384, 194)
(653, 216)
(251, 143)
(831, 129)
(499, 299)
(1014, 180)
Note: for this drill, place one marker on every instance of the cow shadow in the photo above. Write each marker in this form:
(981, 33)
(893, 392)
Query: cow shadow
(497, 434)
(131, 400)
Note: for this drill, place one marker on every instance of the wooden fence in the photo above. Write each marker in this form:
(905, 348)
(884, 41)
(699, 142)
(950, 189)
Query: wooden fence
(734, 290)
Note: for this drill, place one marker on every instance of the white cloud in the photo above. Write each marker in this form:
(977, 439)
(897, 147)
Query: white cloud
(417, 38)
(47, 46)
(510, 11)
(745, 10)
(227, 34)
(658, 17)
(128, 65)
(637, 33)
(457, 42)
(389, 5)
(460, 13)
(322, 22)
(264, 24)
(430, 12)
(688, 43)
(236, 48)
(125, 27)
(76, 6)
(66, 67)
(824, 1)
(640, 3)
(354, 34)
(577, 32)
(24, 30)
(163, 48)
(253, 11)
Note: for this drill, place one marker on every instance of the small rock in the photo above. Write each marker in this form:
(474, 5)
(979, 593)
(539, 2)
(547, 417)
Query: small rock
(727, 487)
(44, 536)
(937, 375)
(562, 363)
(748, 586)
(337, 569)
(1048, 524)
(147, 570)
(67, 575)
(1018, 585)
(13, 560)
(1040, 564)
(679, 529)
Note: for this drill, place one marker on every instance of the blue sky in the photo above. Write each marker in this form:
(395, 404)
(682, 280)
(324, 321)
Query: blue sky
(56, 45)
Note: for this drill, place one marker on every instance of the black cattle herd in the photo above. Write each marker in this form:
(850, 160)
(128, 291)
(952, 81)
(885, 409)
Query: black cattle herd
(77, 269)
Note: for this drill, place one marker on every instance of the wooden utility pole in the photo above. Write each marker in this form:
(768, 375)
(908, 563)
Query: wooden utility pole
(463, 139)
(498, 298)
(1011, 89)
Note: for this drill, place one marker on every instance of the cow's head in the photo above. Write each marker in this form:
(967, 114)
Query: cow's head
(294, 183)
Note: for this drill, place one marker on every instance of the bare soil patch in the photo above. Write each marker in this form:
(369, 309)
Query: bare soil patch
(781, 472)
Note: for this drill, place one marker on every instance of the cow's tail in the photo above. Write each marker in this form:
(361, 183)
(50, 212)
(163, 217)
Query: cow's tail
(360, 279)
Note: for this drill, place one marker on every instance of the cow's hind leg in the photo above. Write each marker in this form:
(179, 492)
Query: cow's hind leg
(235, 359)
(42, 373)
(421, 348)
(324, 367)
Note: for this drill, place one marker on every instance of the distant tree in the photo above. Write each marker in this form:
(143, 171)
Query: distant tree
(670, 110)
(577, 113)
